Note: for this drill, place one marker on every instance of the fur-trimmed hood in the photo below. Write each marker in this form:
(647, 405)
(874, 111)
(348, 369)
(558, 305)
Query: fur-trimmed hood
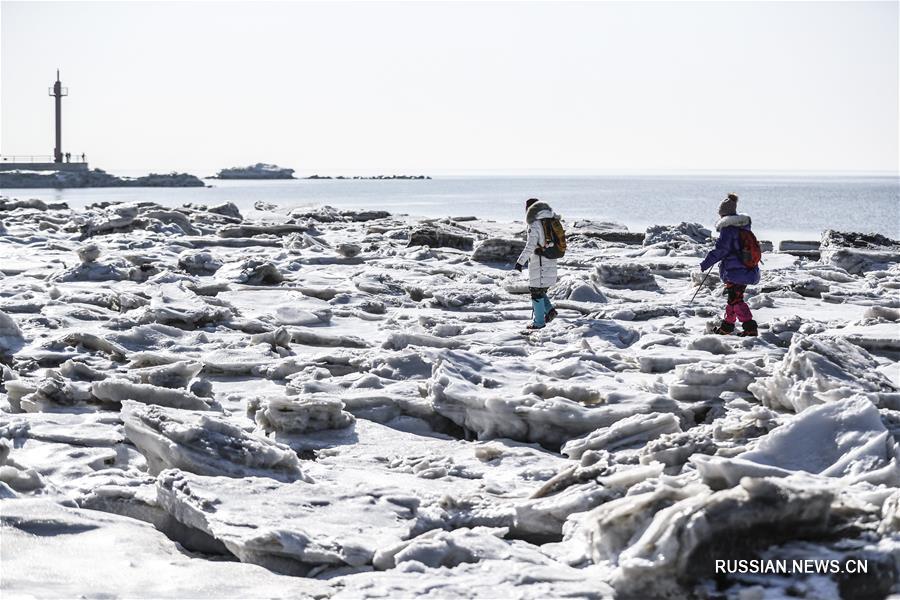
(535, 212)
(731, 221)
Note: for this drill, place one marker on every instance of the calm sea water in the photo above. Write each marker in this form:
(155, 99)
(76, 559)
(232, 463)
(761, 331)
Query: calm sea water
(781, 207)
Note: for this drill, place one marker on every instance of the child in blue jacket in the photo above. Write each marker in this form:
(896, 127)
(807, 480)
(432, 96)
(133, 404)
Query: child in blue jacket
(734, 273)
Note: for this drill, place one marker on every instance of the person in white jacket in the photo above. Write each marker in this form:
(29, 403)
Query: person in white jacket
(541, 270)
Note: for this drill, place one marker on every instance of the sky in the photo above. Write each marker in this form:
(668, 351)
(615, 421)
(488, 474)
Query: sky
(462, 87)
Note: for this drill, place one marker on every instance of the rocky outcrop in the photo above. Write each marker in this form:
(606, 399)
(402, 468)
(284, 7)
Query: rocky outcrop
(95, 178)
(858, 253)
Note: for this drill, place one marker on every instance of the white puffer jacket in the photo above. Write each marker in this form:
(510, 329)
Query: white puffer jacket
(541, 271)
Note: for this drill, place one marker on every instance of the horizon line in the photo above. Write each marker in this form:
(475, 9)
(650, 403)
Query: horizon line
(491, 172)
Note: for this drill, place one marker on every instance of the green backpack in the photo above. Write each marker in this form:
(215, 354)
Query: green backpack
(556, 235)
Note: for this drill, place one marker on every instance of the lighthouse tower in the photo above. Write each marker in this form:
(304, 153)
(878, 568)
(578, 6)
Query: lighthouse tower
(58, 91)
(62, 161)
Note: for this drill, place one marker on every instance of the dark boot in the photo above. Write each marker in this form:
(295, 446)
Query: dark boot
(749, 329)
(551, 315)
(725, 328)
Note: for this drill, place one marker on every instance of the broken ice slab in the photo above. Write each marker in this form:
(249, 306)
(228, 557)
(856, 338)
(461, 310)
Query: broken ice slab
(819, 369)
(136, 559)
(119, 390)
(291, 528)
(205, 444)
(843, 439)
(493, 398)
(682, 540)
(804, 249)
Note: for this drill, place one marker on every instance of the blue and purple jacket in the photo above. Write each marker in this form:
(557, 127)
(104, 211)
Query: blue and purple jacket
(728, 251)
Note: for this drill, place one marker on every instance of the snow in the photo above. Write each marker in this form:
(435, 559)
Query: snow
(305, 405)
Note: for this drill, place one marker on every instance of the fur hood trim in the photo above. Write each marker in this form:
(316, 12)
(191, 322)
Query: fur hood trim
(732, 221)
(535, 209)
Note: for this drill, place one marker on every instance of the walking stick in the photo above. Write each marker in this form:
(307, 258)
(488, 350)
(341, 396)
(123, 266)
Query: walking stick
(701, 283)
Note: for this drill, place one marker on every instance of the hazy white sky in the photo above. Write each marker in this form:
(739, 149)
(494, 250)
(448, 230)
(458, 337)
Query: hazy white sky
(438, 87)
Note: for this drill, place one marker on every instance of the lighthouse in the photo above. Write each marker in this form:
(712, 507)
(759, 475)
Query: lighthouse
(61, 161)
(58, 91)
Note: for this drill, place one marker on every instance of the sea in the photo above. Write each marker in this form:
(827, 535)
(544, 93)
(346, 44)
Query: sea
(782, 207)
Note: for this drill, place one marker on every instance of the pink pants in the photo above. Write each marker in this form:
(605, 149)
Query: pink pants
(736, 309)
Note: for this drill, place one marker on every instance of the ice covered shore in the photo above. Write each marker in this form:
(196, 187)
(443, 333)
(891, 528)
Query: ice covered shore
(340, 404)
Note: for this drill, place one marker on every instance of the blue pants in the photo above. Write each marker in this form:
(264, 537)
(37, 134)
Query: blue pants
(541, 305)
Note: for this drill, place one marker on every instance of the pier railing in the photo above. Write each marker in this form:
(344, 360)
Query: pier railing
(38, 158)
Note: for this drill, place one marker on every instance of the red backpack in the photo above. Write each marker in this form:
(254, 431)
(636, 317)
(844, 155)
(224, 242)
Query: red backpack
(749, 251)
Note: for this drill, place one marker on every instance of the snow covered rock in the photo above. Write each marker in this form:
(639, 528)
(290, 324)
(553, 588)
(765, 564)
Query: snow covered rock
(818, 369)
(205, 444)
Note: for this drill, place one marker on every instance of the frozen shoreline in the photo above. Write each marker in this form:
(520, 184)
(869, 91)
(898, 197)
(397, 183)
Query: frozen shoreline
(342, 414)
(799, 208)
